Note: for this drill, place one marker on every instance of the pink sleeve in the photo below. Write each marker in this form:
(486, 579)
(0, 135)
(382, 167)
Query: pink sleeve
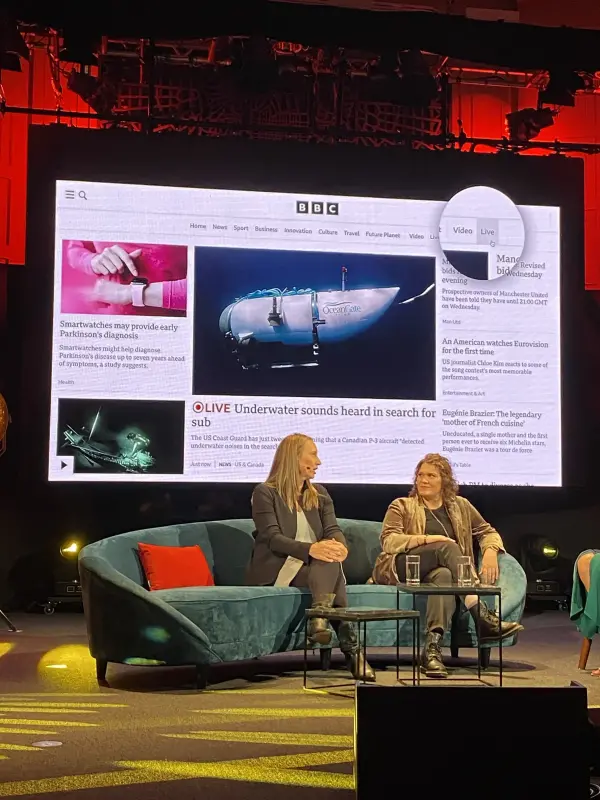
(175, 295)
(79, 255)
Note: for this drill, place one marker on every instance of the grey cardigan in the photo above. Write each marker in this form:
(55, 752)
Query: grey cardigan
(275, 534)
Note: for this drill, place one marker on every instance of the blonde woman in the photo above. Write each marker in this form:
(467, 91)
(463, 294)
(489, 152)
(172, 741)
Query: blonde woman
(439, 526)
(298, 542)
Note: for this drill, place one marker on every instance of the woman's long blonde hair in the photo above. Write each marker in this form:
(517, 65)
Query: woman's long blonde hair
(284, 474)
(444, 467)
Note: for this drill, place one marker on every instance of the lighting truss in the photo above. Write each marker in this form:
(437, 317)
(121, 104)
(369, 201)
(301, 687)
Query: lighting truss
(320, 95)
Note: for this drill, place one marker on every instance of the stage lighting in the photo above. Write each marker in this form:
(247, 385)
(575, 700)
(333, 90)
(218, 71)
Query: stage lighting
(13, 47)
(10, 62)
(550, 551)
(526, 124)
(70, 549)
(542, 548)
(78, 48)
(100, 96)
(548, 575)
(418, 87)
(66, 585)
(255, 63)
(561, 88)
(386, 68)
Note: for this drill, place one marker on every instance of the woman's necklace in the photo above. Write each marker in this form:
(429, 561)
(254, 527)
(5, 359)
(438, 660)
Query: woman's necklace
(438, 520)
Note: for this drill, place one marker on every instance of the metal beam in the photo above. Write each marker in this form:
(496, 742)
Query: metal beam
(449, 141)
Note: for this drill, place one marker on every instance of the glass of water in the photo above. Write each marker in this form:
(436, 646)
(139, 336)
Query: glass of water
(465, 575)
(413, 570)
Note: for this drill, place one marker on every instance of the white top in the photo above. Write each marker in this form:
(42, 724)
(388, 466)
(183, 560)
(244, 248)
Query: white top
(291, 567)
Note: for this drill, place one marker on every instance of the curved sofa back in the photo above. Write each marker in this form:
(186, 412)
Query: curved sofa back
(227, 546)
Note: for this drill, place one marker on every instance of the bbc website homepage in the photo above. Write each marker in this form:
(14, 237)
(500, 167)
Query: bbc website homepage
(195, 328)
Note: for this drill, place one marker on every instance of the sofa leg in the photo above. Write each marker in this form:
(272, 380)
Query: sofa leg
(101, 666)
(584, 653)
(325, 653)
(486, 654)
(454, 650)
(201, 676)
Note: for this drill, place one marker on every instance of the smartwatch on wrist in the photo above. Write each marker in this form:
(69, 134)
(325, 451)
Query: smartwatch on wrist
(137, 291)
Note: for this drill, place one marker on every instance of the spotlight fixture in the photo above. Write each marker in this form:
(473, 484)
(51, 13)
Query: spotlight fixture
(99, 96)
(542, 549)
(70, 549)
(78, 49)
(255, 63)
(561, 88)
(402, 78)
(10, 62)
(66, 585)
(548, 575)
(13, 47)
(418, 87)
(386, 68)
(526, 124)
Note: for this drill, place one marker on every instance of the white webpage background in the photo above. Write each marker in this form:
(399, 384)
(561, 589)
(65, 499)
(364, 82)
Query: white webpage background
(374, 449)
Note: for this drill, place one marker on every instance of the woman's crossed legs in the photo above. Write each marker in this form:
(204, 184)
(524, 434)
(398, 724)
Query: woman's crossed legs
(439, 565)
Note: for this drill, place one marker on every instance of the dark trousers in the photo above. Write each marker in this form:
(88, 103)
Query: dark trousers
(439, 565)
(323, 577)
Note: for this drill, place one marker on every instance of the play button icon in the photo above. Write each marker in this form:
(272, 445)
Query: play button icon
(63, 465)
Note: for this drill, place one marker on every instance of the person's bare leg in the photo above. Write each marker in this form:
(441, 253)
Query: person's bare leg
(583, 569)
(584, 563)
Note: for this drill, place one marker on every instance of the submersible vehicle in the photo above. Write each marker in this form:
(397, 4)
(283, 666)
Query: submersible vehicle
(279, 328)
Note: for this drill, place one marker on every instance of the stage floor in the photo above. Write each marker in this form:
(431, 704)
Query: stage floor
(151, 735)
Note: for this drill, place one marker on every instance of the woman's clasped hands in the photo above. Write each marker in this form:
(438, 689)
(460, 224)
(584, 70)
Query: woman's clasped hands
(328, 550)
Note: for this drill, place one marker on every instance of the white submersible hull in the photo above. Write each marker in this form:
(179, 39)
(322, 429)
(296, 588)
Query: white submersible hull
(301, 318)
(290, 319)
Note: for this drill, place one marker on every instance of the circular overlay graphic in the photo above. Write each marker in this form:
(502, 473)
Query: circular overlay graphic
(482, 233)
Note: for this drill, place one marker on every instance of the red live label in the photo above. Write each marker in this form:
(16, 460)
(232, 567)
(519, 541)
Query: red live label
(212, 408)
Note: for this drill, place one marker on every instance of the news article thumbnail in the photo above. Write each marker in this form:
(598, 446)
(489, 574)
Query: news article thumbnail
(314, 324)
(97, 278)
(122, 436)
(469, 263)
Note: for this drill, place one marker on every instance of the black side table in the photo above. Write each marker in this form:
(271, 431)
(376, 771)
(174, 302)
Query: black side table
(461, 591)
(360, 616)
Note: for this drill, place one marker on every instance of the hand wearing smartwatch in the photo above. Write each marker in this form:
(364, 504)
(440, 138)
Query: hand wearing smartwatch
(138, 285)
(140, 293)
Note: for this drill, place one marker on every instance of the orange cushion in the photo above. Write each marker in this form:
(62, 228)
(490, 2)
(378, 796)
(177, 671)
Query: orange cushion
(174, 567)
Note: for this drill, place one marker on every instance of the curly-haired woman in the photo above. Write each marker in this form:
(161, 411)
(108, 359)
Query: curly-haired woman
(436, 524)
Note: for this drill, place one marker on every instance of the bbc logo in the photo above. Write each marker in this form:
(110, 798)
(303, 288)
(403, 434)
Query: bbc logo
(317, 207)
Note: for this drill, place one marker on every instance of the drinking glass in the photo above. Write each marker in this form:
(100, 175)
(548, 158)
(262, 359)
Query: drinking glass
(413, 570)
(465, 575)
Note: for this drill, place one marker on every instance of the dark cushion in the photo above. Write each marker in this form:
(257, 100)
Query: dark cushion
(362, 538)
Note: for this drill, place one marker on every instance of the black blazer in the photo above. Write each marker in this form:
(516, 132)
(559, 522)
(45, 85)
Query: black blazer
(275, 534)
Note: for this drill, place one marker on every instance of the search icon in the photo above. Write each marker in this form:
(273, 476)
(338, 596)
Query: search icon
(82, 195)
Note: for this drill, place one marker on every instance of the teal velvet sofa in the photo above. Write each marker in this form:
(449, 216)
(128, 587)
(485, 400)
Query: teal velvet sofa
(203, 626)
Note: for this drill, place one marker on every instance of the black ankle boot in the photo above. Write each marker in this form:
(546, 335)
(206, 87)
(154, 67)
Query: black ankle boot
(355, 658)
(319, 631)
(431, 657)
(490, 627)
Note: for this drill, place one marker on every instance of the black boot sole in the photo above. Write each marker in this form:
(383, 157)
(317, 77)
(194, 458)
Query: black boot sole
(502, 636)
(367, 678)
(434, 675)
(358, 675)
